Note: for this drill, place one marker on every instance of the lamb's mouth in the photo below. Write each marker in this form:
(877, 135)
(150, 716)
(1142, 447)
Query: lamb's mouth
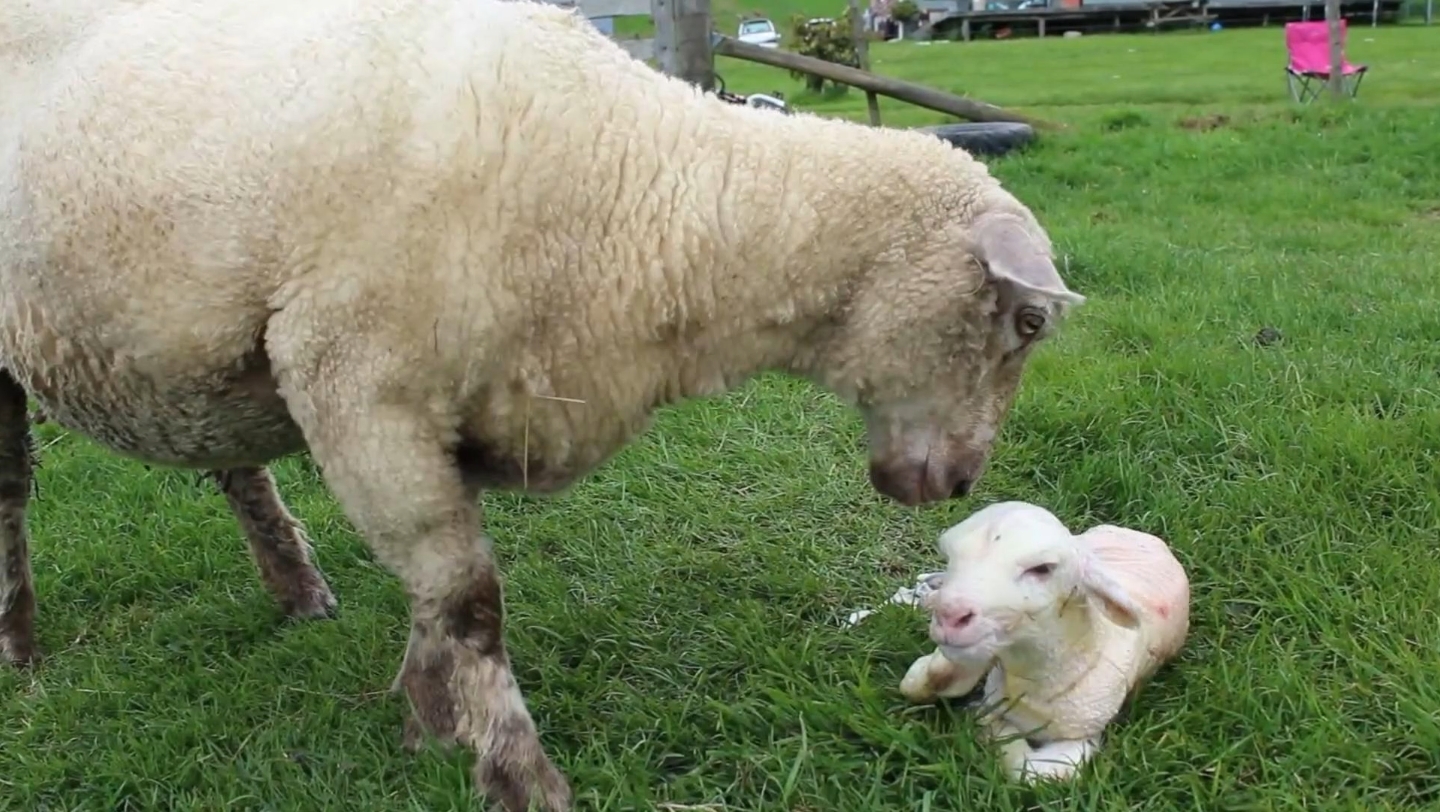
(960, 645)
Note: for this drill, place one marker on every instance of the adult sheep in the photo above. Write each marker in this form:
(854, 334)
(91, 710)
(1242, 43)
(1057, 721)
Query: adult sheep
(453, 245)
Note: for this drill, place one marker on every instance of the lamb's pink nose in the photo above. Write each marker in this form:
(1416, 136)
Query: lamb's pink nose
(954, 616)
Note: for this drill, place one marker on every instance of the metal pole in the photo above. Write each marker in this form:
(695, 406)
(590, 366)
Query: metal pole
(1337, 51)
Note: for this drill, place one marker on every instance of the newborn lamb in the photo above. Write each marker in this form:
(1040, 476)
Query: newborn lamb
(1072, 625)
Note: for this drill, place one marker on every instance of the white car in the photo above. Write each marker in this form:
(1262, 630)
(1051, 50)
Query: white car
(759, 31)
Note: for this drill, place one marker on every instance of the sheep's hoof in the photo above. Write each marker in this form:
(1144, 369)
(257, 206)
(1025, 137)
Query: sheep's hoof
(415, 737)
(522, 784)
(314, 601)
(19, 652)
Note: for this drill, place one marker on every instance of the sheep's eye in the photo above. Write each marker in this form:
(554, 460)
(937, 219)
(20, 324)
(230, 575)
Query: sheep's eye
(1041, 570)
(1029, 321)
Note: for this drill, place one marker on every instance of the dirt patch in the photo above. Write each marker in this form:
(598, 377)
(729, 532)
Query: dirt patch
(1124, 120)
(1268, 337)
(1205, 123)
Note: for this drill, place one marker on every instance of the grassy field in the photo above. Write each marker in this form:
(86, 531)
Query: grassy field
(674, 620)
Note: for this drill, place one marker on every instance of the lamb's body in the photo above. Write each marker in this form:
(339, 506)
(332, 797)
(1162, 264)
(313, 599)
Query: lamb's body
(458, 244)
(1103, 663)
(1062, 680)
(1146, 568)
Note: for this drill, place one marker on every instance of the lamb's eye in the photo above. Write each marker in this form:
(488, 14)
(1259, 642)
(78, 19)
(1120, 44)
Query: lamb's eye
(1029, 321)
(1040, 570)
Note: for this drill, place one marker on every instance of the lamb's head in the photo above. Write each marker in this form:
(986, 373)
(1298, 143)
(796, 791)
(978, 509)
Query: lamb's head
(935, 341)
(1012, 569)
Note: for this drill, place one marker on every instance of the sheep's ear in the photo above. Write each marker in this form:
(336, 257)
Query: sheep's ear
(1009, 251)
(1112, 596)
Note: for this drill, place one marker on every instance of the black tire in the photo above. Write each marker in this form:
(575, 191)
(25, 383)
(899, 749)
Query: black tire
(984, 138)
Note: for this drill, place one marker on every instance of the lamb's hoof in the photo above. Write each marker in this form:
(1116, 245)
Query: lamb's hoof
(521, 782)
(1036, 772)
(1039, 767)
(415, 737)
(311, 599)
(915, 685)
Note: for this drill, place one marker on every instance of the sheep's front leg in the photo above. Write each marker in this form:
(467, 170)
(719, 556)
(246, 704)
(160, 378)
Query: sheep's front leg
(392, 471)
(17, 465)
(934, 675)
(277, 542)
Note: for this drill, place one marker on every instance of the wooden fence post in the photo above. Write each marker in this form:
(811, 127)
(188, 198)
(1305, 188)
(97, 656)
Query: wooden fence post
(682, 40)
(862, 50)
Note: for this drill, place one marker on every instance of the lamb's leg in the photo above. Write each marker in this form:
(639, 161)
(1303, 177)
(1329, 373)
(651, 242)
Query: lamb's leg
(1058, 760)
(17, 465)
(1031, 761)
(1015, 749)
(277, 542)
(934, 675)
(402, 488)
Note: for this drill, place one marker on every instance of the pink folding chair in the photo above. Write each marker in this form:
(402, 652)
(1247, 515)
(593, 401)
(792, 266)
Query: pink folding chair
(1309, 67)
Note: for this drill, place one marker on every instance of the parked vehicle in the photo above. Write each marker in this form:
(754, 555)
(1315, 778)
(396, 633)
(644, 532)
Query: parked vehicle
(759, 31)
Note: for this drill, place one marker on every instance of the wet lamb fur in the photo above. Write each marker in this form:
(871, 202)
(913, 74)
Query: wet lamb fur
(1064, 630)
(459, 245)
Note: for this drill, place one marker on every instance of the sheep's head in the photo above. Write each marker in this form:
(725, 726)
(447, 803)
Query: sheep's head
(1011, 569)
(935, 341)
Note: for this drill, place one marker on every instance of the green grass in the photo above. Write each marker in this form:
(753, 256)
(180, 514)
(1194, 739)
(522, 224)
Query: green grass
(1086, 80)
(674, 620)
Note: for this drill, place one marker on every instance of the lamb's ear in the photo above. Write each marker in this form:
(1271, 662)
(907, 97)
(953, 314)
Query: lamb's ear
(1112, 596)
(1010, 251)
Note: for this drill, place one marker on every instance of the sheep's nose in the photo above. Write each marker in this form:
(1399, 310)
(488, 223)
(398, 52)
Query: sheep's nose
(955, 617)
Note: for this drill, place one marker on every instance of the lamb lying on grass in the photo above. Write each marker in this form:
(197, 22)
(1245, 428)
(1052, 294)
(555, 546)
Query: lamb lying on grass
(454, 245)
(1067, 628)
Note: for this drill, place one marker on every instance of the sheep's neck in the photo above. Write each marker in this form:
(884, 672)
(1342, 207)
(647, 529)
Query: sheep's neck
(810, 208)
(1056, 659)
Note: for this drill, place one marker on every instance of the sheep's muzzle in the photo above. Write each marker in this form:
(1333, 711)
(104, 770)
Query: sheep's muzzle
(914, 482)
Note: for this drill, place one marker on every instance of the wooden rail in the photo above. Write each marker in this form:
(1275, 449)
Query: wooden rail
(684, 47)
(918, 95)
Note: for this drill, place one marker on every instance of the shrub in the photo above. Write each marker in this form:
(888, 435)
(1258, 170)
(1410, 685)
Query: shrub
(828, 40)
(905, 11)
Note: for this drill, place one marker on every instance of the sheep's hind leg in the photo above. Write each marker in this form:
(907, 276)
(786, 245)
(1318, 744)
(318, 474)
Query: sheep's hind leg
(17, 466)
(278, 543)
(403, 490)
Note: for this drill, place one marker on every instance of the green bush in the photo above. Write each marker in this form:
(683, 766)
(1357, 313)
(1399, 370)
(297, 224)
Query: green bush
(831, 41)
(905, 11)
